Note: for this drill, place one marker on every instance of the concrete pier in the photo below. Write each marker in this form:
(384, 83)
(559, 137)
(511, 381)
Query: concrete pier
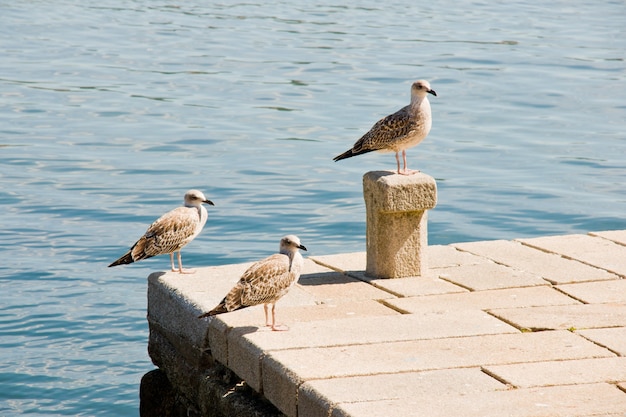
(527, 327)
(397, 227)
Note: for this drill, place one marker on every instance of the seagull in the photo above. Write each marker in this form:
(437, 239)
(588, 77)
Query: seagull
(171, 232)
(265, 282)
(399, 131)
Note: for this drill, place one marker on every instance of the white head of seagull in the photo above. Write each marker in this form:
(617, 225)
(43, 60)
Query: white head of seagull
(195, 198)
(419, 91)
(289, 246)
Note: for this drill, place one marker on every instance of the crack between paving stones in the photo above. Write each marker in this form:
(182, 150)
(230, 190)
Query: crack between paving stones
(518, 327)
(497, 377)
(616, 353)
(569, 258)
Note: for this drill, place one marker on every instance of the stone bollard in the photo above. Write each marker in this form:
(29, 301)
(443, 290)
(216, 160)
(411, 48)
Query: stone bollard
(397, 233)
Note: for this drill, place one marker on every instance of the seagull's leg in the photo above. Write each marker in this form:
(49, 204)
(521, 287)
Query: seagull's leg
(172, 261)
(406, 171)
(180, 266)
(277, 327)
(398, 162)
(267, 320)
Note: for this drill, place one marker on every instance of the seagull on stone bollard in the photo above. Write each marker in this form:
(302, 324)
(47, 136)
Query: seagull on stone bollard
(265, 282)
(171, 232)
(399, 131)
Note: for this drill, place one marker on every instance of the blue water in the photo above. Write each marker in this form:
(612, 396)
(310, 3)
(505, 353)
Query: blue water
(111, 110)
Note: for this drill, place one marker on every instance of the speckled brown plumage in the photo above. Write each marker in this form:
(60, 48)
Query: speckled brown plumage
(399, 131)
(266, 281)
(170, 232)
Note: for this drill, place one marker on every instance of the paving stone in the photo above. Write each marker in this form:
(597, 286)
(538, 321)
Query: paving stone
(617, 236)
(283, 371)
(335, 287)
(407, 287)
(439, 256)
(560, 401)
(247, 345)
(252, 318)
(349, 351)
(315, 398)
(446, 256)
(611, 338)
(489, 276)
(343, 262)
(549, 266)
(613, 291)
(595, 251)
(580, 371)
(579, 316)
(483, 300)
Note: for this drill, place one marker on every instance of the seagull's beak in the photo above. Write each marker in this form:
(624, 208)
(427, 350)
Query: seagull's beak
(433, 92)
(302, 247)
(208, 202)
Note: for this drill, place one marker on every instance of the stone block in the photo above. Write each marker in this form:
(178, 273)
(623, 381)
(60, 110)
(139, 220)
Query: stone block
(483, 300)
(576, 316)
(613, 291)
(545, 374)
(549, 266)
(432, 354)
(613, 338)
(336, 287)
(316, 397)
(489, 276)
(596, 251)
(604, 400)
(414, 286)
(397, 235)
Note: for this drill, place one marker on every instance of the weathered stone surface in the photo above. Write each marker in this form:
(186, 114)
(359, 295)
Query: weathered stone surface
(613, 338)
(285, 370)
(413, 286)
(397, 233)
(316, 397)
(484, 300)
(596, 251)
(613, 291)
(489, 276)
(617, 236)
(361, 346)
(549, 266)
(576, 316)
(545, 374)
(604, 400)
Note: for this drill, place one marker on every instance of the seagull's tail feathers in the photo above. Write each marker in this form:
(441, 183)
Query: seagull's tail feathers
(350, 153)
(219, 309)
(126, 259)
